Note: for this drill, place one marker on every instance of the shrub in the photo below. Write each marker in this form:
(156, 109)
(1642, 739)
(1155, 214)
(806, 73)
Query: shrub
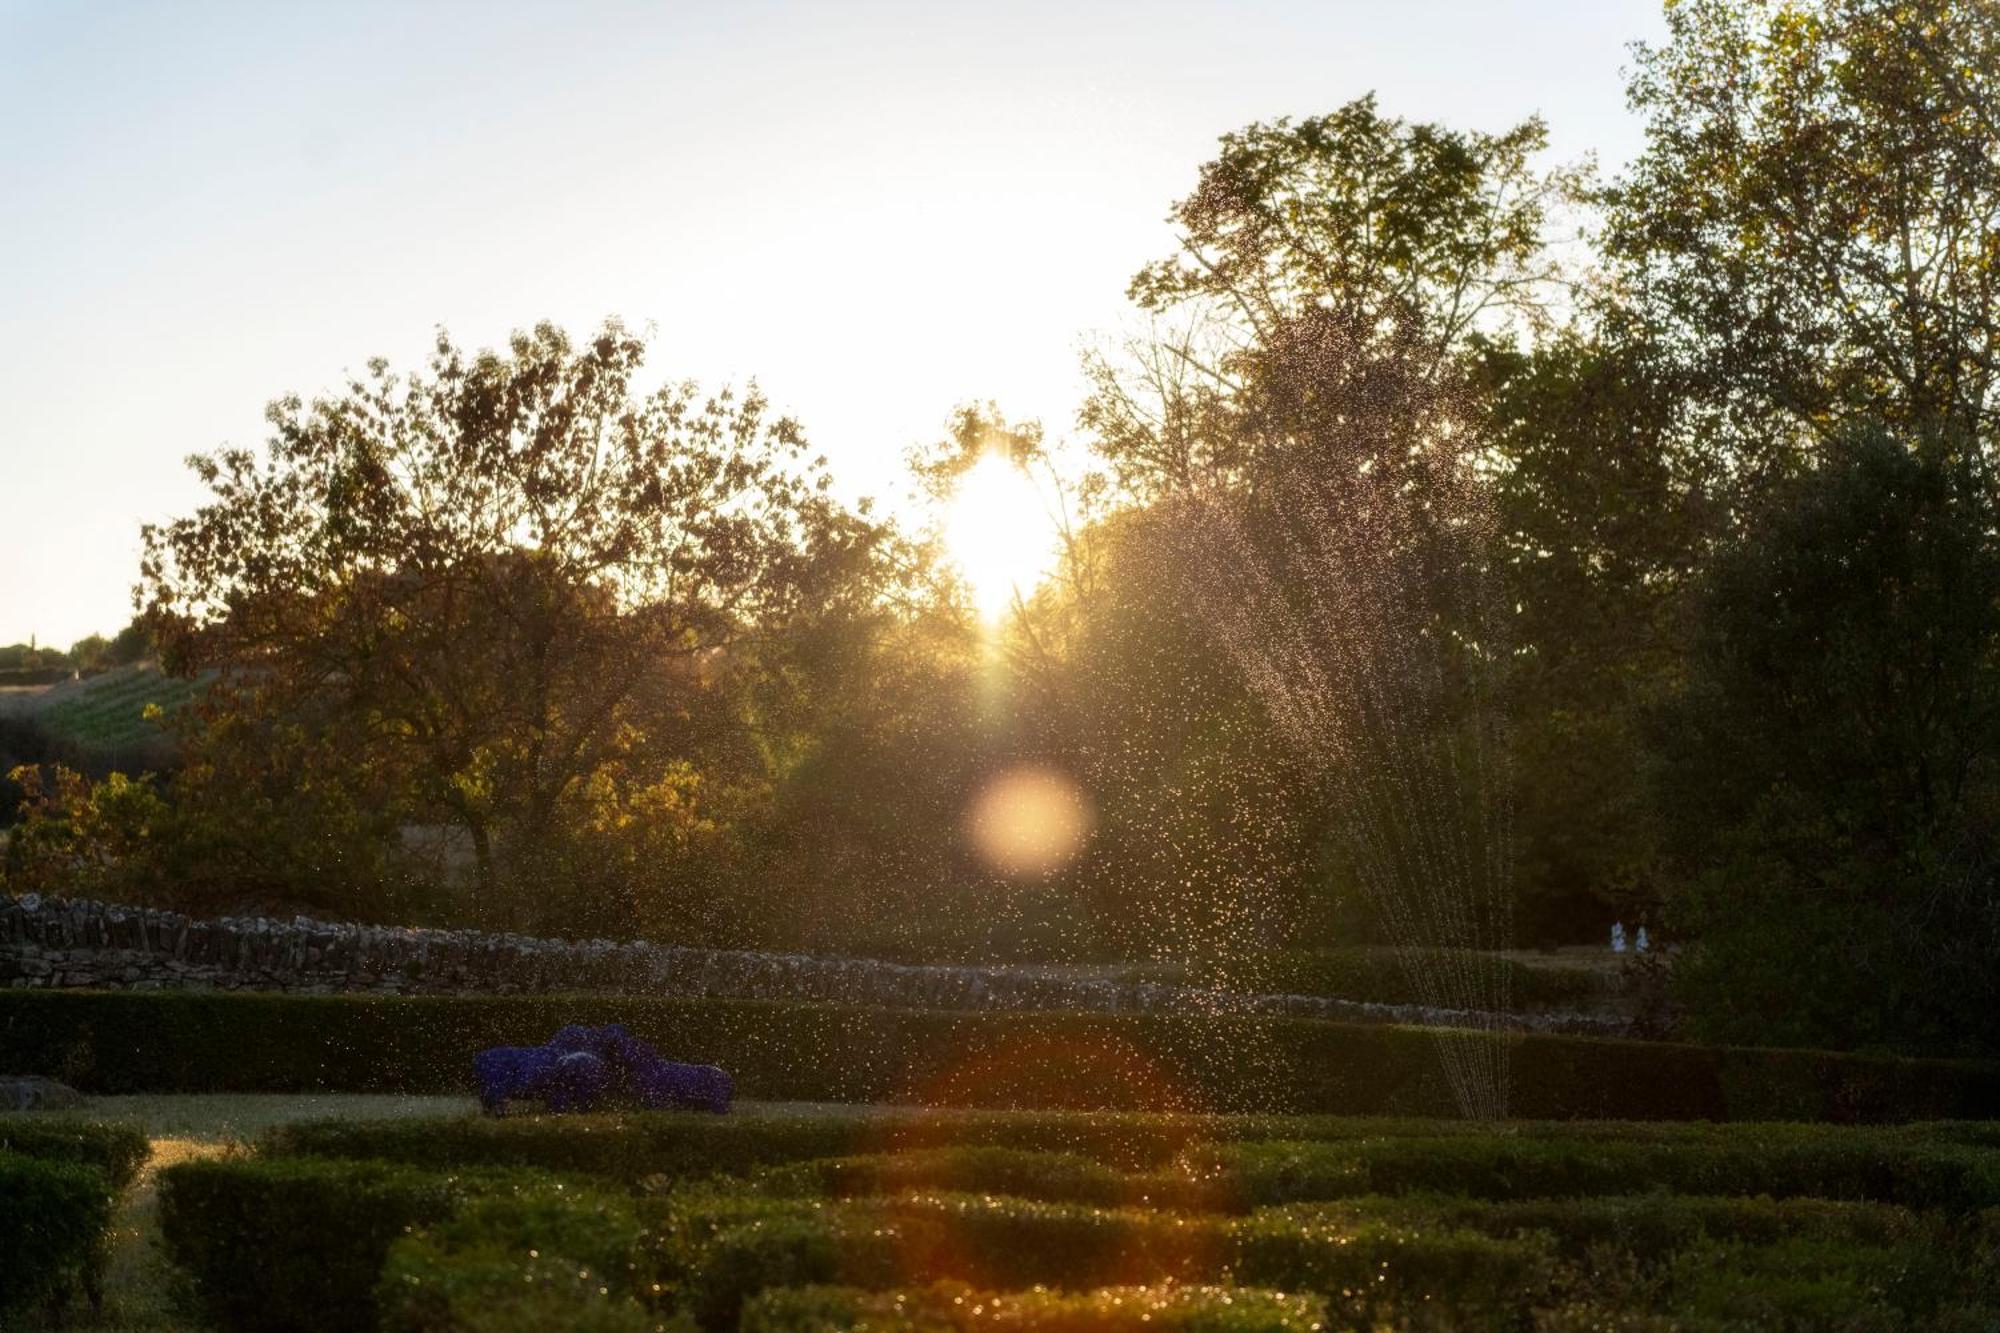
(954, 1307)
(54, 1219)
(1916, 1175)
(522, 1263)
(116, 1150)
(1385, 976)
(1804, 1283)
(1049, 1177)
(1223, 1161)
(636, 1146)
(716, 1254)
(180, 1041)
(300, 1243)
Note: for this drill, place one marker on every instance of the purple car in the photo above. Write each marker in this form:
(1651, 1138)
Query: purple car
(579, 1065)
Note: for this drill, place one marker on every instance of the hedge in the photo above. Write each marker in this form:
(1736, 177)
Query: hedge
(1915, 1175)
(193, 1042)
(299, 1243)
(717, 1254)
(1043, 1176)
(1383, 976)
(521, 1264)
(1719, 1265)
(953, 1307)
(1928, 1165)
(1240, 1177)
(635, 1146)
(1645, 1223)
(116, 1150)
(55, 1217)
(332, 1244)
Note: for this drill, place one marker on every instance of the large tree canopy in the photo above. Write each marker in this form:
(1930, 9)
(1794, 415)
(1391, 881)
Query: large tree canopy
(489, 564)
(1344, 259)
(1813, 231)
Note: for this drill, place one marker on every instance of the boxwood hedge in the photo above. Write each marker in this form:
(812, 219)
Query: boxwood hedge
(717, 1254)
(55, 1218)
(299, 1243)
(59, 1178)
(116, 1150)
(1388, 975)
(522, 1263)
(1243, 1160)
(953, 1307)
(193, 1042)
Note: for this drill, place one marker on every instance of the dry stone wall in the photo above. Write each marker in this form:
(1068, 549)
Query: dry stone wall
(55, 942)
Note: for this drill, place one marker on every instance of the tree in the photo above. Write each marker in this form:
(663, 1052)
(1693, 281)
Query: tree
(1604, 518)
(1321, 262)
(1809, 236)
(1833, 796)
(475, 578)
(89, 652)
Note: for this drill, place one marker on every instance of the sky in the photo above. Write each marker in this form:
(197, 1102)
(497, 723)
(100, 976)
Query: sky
(877, 211)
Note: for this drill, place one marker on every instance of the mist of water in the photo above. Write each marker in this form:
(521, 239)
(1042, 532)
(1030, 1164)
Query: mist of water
(1351, 583)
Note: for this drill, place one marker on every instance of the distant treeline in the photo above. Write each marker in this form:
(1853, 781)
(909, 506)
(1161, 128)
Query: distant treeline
(35, 664)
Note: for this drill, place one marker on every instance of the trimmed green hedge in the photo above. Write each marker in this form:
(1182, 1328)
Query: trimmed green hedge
(953, 1307)
(1249, 1159)
(55, 1217)
(338, 1244)
(1915, 1175)
(1022, 1174)
(299, 1243)
(521, 1264)
(1383, 976)
(1395, 1263)
(191, 1042)
(636, 1146)
(116, 1150)
(718, 1253)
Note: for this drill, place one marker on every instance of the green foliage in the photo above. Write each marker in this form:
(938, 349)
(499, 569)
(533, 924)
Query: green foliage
(77, 836)
(1439, 1224)
(116, 1150)
(186, 1042)
(1915, 1175)
(300, 1242)
(55, 1219)
(661, 1147)
(719, 1257)
(121, 710)
(1386, 976)
(1050, 1177)
(1833, 773)
(493, 589)
(1808, 231)
(517, 1264)
(954, 1306)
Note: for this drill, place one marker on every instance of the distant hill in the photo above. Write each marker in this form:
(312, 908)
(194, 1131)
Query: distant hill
(106, 711)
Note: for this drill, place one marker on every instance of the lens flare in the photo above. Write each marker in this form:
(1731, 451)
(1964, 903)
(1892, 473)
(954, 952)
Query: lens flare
(1029, 821)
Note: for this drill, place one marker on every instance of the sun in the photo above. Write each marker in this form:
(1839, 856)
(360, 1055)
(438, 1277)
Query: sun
(999, 534)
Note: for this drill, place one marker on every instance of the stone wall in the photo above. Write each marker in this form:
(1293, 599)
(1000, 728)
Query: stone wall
(55, 942)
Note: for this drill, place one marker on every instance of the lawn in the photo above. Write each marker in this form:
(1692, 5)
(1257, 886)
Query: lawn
(412, 1213)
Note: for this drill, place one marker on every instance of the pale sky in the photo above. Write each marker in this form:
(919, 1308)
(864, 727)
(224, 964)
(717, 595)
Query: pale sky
(877, 210)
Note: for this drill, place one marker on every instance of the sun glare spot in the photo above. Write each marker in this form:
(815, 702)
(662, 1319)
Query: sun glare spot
(1030, 820)
(998, 533)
